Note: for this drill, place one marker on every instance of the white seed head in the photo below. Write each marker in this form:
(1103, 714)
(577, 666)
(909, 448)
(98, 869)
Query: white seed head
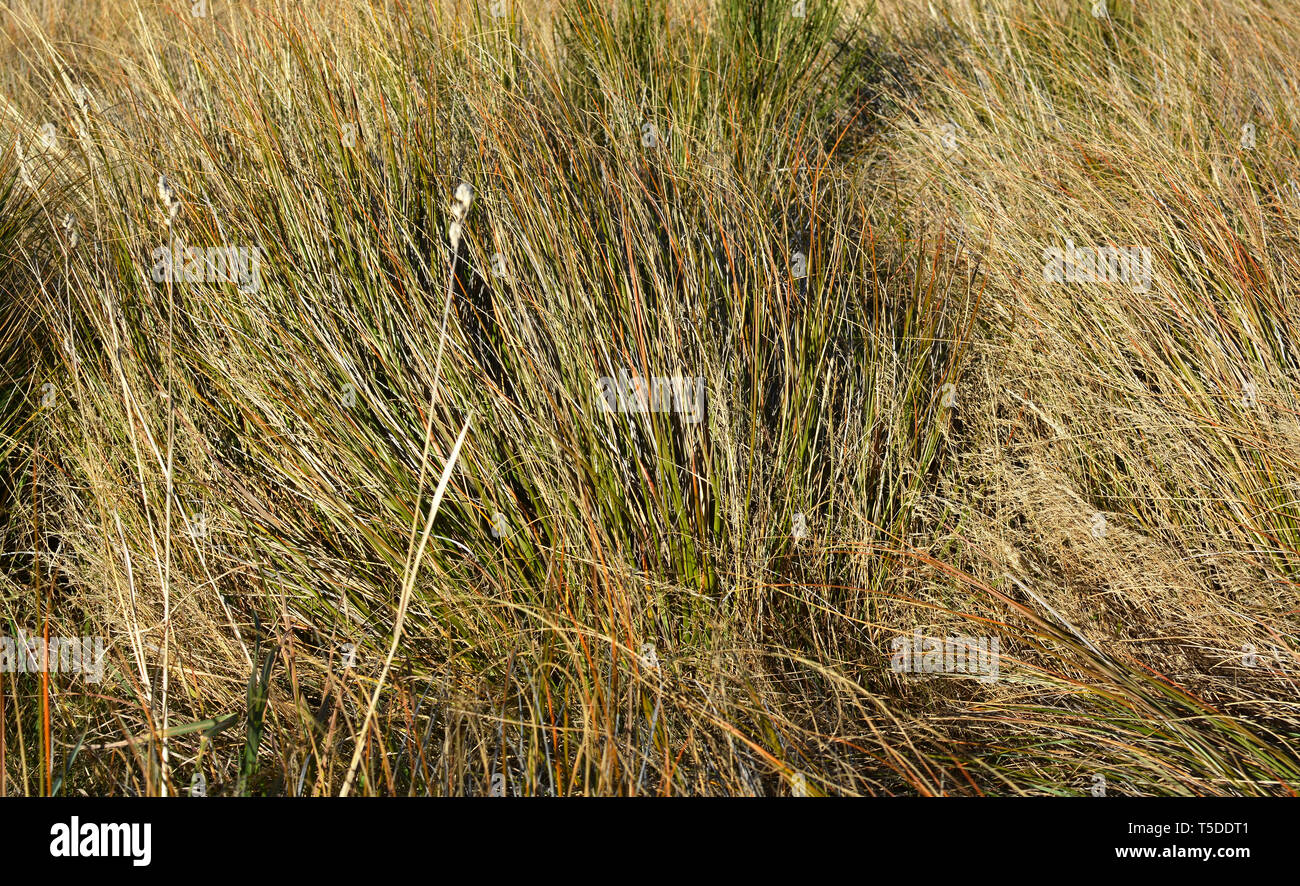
(464, 197)
(167, 194)
(453, 233)
(70, 228)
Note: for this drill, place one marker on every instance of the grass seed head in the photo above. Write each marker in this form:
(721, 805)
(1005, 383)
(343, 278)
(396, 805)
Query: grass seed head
(171, 203)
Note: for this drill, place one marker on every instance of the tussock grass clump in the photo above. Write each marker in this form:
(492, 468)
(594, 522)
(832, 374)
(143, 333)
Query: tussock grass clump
(312, 409)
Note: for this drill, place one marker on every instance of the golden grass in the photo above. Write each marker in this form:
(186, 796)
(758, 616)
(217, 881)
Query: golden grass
(235, 487)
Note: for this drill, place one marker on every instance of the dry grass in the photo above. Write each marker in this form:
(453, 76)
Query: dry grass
(232, 484)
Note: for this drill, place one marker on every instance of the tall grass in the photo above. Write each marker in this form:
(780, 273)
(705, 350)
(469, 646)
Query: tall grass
(362, 526)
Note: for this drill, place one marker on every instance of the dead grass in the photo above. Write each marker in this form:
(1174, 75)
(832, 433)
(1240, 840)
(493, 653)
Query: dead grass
(230, 485)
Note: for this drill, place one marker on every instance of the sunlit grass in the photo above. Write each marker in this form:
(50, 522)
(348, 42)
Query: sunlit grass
(372, 507)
